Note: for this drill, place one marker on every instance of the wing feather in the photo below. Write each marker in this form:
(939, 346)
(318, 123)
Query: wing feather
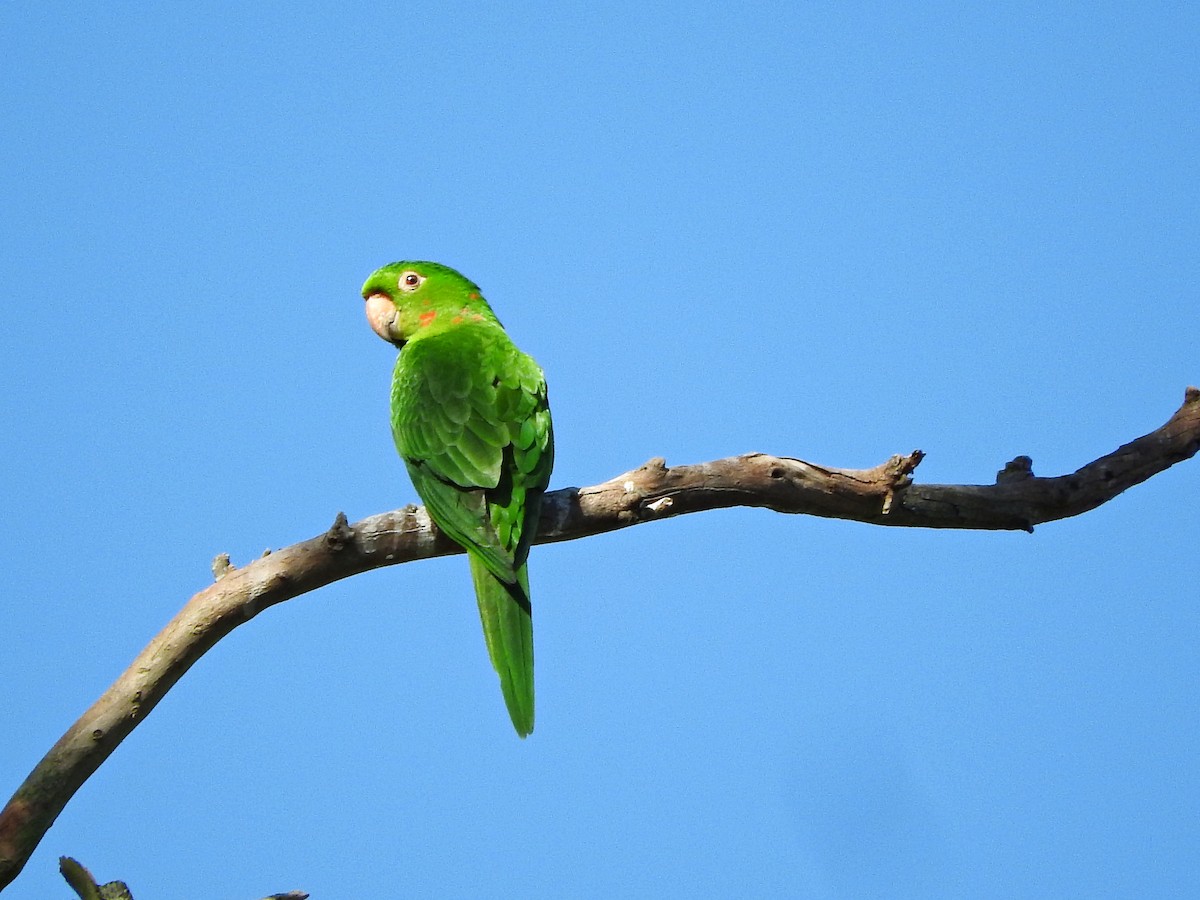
(471, 419)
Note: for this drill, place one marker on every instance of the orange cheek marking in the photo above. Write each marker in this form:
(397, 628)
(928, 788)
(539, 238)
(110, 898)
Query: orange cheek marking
(426, 317)
(456, 320)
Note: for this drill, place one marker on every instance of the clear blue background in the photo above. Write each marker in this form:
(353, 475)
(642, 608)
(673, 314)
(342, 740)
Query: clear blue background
(831, 231)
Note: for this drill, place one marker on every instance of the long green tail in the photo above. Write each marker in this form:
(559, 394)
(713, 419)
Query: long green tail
(508, 630)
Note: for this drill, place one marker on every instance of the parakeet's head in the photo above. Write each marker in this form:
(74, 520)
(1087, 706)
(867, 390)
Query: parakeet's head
(406, 297)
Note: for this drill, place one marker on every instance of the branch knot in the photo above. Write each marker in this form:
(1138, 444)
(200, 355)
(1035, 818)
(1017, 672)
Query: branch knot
(340, 533)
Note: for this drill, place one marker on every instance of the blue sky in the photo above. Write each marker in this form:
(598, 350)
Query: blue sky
(835, 232)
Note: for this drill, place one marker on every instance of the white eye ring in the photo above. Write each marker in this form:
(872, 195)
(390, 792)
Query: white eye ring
(409, 281)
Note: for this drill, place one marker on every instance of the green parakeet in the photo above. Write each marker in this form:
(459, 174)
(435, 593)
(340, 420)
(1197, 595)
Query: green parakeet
(471, 422)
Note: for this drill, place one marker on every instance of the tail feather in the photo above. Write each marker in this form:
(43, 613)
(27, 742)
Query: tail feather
(508, 630)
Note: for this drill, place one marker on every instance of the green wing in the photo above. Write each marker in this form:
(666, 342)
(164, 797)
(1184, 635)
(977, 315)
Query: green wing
(472, 422)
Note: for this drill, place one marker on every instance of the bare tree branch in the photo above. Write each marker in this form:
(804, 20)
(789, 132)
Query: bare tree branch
(884, 495)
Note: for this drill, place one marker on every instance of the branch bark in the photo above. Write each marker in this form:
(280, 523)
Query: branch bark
(883, 495)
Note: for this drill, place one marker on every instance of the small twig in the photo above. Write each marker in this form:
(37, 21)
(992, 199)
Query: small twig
(884, 495)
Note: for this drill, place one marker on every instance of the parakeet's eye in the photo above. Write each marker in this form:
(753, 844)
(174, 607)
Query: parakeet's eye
(410, 280)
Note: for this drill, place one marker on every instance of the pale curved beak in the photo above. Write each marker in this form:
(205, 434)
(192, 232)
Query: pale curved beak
(384, 317)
